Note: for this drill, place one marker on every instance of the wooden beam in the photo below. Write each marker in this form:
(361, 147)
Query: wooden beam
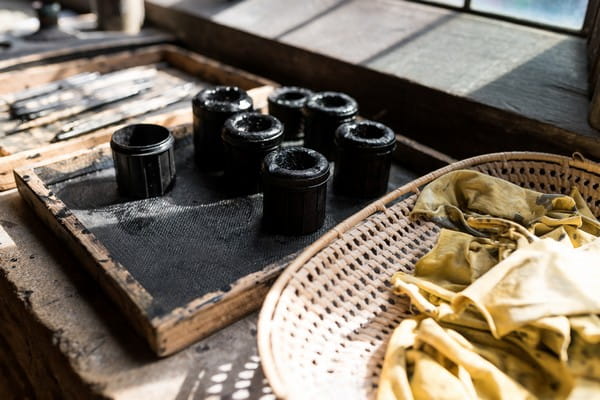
(593, 50)
(590, 15)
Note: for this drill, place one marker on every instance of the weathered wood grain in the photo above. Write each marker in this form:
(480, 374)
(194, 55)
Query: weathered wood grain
(13, 81)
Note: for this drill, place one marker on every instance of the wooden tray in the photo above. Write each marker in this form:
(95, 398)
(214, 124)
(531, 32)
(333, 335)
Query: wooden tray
(180, 266)
(27, 147)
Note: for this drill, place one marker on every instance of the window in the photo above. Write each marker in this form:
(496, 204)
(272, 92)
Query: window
(566, 15)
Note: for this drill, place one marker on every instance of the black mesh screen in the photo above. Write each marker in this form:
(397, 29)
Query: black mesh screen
(196, 239)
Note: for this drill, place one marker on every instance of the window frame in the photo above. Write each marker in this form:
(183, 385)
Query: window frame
(466, 8)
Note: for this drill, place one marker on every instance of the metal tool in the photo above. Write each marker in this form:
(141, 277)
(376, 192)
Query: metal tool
(130, 110)
(22, 109)
(41, 109)
(69, 82)
(98, 100)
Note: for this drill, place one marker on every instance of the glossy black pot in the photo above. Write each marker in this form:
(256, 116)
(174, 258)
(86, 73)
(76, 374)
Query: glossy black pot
(286, 104)
(211, 108)
(363, 158)
(295, 190)
(247, 139)
(144, 160)
(323, 113)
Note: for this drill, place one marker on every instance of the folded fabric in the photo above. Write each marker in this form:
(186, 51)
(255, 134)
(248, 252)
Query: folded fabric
(450, 199)
(545, 279)
(425, 360)
(506, 302)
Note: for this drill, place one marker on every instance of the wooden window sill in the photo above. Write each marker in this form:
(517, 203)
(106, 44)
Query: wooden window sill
(460, 83)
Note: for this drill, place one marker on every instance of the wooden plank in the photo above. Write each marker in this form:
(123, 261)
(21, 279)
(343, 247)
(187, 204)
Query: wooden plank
(22, 149)
(590, 17)
(21, 79)
(593, 46)
(489, 61)
(193, 64)
(442, 77)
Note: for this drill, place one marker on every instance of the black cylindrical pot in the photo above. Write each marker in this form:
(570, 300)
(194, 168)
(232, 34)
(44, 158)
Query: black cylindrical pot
(295, 190)
(286, 104)
(323, 113)
(363, 158)
(144, 161)
(211, 108)
(247, 139)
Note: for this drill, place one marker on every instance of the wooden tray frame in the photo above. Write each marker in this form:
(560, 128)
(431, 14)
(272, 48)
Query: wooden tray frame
(167, 333)
(188, 62)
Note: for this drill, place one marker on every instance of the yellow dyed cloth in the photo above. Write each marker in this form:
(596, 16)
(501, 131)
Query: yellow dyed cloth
(451, 199)
(507, 299)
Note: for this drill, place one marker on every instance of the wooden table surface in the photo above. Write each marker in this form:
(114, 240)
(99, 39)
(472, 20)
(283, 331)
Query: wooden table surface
(69, 341)
(61, 337)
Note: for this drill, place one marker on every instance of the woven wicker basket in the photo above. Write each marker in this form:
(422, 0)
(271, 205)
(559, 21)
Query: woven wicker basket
(324, 325)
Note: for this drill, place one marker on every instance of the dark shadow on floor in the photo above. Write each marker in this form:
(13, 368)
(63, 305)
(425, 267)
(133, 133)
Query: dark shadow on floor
(551, 87)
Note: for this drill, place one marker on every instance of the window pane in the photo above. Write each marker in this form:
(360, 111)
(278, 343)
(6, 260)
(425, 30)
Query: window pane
(455, 3)
(563, 13)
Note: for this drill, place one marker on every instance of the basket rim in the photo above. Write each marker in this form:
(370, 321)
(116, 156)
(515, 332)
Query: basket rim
(267, 357)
